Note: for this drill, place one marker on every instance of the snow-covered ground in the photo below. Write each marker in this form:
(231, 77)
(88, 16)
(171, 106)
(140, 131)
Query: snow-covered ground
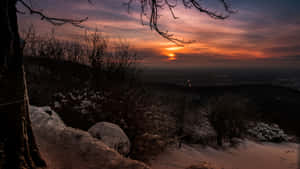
(249, 155)
(64, 147)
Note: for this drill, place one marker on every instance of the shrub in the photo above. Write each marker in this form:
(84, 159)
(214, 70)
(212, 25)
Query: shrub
(228, 114)
(49, 46)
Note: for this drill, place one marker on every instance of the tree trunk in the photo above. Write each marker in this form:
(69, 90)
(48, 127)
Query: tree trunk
(18, 149)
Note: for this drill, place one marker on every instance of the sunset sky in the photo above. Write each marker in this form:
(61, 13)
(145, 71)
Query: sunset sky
(263, 33)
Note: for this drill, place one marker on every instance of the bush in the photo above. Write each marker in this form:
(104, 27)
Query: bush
(228, 114)
(50, 47)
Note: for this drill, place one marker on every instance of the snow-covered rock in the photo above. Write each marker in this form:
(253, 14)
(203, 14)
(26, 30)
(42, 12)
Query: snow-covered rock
(268, 132)
(65, 147)
(112, 135)
(44, 116)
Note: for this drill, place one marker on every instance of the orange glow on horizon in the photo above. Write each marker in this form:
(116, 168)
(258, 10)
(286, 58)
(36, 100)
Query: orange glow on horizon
(174, 48)
(198, 52)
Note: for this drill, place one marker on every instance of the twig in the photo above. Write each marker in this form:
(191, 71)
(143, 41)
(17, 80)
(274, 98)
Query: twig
(54, 20)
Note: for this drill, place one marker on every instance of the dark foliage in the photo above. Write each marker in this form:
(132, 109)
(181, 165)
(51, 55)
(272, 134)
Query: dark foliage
(229, 115)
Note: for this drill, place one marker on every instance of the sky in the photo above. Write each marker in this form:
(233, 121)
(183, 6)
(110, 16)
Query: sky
(262, 33)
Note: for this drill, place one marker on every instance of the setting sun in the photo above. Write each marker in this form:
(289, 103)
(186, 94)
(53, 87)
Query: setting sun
(171, 56)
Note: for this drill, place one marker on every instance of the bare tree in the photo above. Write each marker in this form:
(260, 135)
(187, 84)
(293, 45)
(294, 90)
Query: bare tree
(18, 149)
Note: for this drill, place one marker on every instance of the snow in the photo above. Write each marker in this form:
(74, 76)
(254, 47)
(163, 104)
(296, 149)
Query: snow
(268, 132)
(83, 101)
(64, 147)
(112, 135)
(249, 155)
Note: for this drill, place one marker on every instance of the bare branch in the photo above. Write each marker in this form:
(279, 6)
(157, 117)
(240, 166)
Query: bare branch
(146, 5)
(54, 20)
(156, 5)
(227, 7)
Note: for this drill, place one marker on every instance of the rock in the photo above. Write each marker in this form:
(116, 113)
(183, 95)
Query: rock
(64, 147)
(112, 135)
(40, 117)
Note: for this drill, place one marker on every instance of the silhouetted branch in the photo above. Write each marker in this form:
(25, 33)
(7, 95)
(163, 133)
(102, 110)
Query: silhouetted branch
(155, 5)
(53, 20)
(227, 7)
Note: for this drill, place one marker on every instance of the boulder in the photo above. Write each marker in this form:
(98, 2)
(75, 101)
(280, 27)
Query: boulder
(65, 147)
(111, 135)
(45, 116)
